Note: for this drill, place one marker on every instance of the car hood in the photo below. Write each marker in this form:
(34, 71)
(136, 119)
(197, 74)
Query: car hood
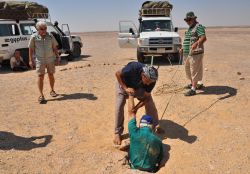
(158, 34)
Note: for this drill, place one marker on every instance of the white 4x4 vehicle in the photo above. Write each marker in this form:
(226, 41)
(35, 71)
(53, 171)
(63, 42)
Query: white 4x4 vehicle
(156, 35)
(15, 35)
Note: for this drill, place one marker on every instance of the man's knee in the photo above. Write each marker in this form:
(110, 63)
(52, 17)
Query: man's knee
(41, 76)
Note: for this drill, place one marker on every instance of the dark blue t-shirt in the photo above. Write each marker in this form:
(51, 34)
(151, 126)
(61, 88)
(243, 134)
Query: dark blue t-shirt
(131, 76)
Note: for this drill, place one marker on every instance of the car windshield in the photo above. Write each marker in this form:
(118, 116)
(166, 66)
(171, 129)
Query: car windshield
(155, 25)
(28, 29)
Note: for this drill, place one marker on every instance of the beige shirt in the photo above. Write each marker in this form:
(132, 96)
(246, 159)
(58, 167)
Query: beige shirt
(43, 47)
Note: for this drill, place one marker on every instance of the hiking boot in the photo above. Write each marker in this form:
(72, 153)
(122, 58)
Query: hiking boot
(199, 86)
(190, 93)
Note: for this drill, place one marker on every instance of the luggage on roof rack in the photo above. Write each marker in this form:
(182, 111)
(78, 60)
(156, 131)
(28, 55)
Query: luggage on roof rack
(156, 8)
(22, 10)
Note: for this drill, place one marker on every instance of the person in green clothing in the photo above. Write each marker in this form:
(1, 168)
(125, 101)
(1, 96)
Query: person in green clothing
(193, 52)
(146, 151)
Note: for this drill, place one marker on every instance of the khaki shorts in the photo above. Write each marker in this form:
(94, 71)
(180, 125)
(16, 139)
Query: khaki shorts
(40, 68)
(194, 67)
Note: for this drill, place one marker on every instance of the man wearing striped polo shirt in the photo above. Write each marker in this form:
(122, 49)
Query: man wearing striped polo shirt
(193, 51)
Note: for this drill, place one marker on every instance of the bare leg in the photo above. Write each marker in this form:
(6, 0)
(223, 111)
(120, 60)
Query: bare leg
(40, 84)
(51, 81)
(119, 114)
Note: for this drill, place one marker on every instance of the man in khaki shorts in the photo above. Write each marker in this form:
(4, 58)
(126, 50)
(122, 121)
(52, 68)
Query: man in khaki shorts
(44, 46)
(193, 51)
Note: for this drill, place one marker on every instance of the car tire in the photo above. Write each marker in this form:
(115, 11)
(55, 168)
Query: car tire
(76, 51)
(140, 56)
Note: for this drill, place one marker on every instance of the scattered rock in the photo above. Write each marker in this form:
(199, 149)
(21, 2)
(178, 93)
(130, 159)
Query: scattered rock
(64, 69)
(242, 78)
(89, 65)
(238, 73)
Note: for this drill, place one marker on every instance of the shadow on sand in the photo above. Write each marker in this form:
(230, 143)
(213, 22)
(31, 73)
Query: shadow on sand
(9, 141)
(175, 131)
(74, 97)
(219, 90)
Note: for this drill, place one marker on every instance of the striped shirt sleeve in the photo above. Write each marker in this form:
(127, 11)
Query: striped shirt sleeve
(200, 30)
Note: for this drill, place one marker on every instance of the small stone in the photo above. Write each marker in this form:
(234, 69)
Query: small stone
(238, 73)
(64, 69)
(242, 78)
(206, 69)
(89, 65)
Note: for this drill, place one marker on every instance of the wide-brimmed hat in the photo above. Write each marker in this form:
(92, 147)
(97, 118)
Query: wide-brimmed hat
(150, 72)
(190, 15)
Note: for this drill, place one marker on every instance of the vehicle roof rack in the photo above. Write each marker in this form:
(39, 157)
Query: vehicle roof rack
(155, 12)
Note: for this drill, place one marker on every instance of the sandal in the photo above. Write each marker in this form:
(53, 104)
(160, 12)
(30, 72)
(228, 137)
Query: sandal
(41, 100)
(53, 93)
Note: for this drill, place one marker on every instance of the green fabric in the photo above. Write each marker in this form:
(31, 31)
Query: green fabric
(186, 43)
(145, 148)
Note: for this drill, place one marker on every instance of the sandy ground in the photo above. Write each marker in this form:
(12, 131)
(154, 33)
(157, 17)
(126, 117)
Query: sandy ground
(73, 133)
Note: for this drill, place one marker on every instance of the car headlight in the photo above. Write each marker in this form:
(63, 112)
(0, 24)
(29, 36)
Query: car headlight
(143, 41)
(176, 40)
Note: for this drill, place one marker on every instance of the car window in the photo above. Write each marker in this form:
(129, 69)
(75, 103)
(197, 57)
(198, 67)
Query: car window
(9, 30)
(156, 25)
(27, 29)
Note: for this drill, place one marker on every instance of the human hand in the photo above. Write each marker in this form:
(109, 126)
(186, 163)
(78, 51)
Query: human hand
(194, 46)
(58, 60)
(130, 91)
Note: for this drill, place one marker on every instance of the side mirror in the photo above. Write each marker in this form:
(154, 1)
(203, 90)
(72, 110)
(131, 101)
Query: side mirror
(55, 23)
(131, 31)
(176, 29)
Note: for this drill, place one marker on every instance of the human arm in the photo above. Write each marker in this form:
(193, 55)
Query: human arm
(200, 41)
(55, 50)
(30, 58)
(129, 91)
(131, 110)
(143, 101)
(200, 30)
(31, 51)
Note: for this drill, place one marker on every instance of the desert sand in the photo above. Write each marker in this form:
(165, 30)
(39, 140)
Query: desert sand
(73, 133)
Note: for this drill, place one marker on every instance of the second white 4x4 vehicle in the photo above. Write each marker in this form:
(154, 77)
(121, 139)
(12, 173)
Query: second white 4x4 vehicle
(15, 35)
(156, 34)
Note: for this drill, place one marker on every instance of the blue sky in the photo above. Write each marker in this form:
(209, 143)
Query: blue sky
(104, 15)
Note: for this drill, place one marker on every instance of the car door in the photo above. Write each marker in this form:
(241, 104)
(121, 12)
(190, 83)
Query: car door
(67, 36)
(128, 35)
